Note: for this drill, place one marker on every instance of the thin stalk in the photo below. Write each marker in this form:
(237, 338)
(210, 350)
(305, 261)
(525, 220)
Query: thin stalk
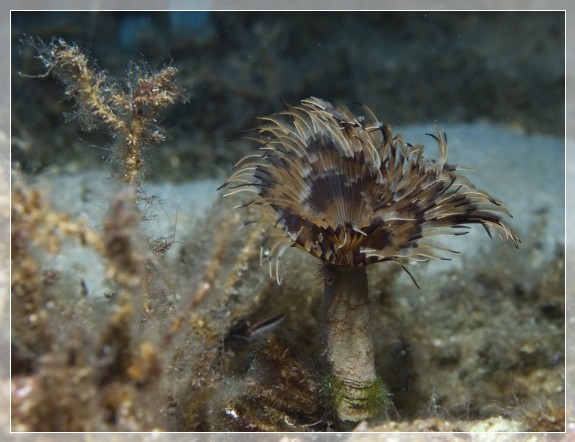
(357, 392)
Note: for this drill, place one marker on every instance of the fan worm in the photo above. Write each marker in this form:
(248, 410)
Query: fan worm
(347, 190)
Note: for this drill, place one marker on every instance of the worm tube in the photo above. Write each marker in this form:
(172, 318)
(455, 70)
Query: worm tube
(354, 385)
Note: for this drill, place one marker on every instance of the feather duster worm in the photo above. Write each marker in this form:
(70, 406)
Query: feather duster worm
(348, 191)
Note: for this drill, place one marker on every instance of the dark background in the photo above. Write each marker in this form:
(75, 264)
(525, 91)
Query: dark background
(506, 68)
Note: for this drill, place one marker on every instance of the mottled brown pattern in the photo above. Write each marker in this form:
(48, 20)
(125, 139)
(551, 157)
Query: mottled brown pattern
(350, 192)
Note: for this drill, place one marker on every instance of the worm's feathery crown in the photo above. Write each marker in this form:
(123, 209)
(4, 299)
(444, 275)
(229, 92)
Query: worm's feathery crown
(350, 192)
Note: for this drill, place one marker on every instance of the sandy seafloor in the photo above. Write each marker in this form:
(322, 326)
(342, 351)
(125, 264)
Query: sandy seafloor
(526, 172)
